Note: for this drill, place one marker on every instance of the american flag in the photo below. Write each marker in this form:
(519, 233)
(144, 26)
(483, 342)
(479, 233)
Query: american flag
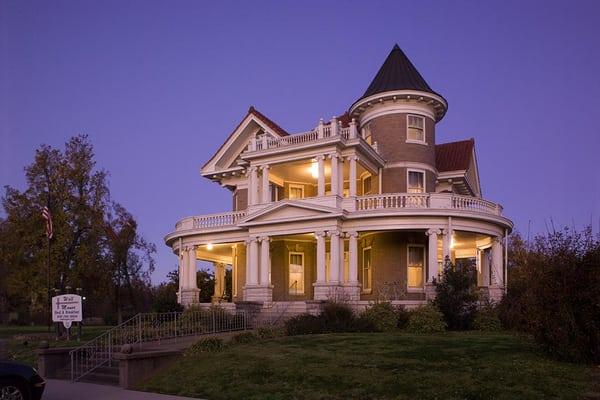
(48, 217)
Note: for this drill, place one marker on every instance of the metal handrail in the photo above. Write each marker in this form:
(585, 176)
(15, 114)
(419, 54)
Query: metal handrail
(148, 327)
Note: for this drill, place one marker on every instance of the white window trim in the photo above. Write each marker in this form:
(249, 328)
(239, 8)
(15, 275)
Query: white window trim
(362, 271)
(295, 186)
(408, 246)
(422, 171)
(424, 141)
(297, 293)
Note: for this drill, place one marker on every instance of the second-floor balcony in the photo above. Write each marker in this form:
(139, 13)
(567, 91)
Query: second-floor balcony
(412, 203)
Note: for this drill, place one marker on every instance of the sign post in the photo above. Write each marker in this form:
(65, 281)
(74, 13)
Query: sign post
(66, 308)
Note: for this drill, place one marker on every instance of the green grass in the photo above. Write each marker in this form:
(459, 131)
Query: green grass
(454, 365)
(23, 341)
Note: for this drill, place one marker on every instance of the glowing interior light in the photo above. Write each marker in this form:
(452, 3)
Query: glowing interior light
(452, 242)
(209, 246)
(314, 169)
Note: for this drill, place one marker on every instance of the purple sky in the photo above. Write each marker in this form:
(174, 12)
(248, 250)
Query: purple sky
(158, 86)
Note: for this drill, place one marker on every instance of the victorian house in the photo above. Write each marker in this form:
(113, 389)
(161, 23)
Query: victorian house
(366, 206)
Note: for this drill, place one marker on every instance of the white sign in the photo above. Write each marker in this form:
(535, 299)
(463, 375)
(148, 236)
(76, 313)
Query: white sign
(67, 324)
(66, 308)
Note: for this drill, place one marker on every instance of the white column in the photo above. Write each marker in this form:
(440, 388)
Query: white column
(321, 177)
(265, 184)
(341, 176)
(252, 262)
(432, 258)
(446, 241)
(353, 257)
(252, 183)
(335, 185)
(192, 281)
(352, 177)
(320, 257)
(497, 264)
(334, 253)
(234, 271)
(182, 268)
(265, 261)
(219, 280)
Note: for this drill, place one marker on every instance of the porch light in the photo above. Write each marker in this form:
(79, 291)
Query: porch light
(452, 242)
(314, 169)
(209, 246)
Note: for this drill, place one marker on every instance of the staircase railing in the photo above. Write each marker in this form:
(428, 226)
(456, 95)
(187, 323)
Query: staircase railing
(151, 327)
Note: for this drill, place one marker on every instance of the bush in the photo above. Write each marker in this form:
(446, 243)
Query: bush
(554, 292)
(304, 324)
(206, 345)
(244, 338)
(426, 319)
(486, 318)
(382, 316)
(337, 317)
(402, 317)
(268, 332)
(456, 295)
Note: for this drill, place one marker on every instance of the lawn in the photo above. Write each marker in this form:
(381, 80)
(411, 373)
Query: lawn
(454, 365)
(23, 341)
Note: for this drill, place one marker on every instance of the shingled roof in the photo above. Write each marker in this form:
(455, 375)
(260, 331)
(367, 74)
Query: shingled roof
(397, 73)
(267, 121)
(454, 156)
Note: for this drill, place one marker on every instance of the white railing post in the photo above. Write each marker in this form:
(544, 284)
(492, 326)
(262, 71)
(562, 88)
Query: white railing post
(353, 130)
(320, 129)
(334, 126)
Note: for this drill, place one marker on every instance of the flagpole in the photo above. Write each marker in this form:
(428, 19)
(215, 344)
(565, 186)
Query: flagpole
(49, 304)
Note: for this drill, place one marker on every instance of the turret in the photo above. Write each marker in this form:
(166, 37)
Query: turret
(399, 111)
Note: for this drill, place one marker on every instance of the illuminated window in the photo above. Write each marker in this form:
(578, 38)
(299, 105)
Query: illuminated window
(415, 131)
(296, 278)
(416, 266)
(367, 273)
(296, 191)
(416, 182)
(366, 184)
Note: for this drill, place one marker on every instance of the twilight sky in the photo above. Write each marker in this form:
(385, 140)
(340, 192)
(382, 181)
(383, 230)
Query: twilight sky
(158, 86)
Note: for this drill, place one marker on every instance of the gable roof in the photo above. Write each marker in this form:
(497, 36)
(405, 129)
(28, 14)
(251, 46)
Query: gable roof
(252, 114)
(454, 156)
(397, 73)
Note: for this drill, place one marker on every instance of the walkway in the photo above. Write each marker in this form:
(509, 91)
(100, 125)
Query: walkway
(65, 390)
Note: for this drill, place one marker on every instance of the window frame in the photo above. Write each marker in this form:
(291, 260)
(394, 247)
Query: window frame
(422, 247)
(423, 173)
(295, 186)
(297, 292)
(364, 289)
(363, 179)
(408, 126)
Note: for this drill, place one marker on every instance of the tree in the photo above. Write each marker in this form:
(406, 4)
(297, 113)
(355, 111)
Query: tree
(77, 194)
(456, 294)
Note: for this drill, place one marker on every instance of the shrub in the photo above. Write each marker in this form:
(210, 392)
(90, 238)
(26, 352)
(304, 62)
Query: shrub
(456, 295)
(486, 318)
(383, 316)
(244, 338)
(304, 324)
(268, 332)
(426, 319)
(402, 317)
(554, 292)
(206, 345)
(337, 317)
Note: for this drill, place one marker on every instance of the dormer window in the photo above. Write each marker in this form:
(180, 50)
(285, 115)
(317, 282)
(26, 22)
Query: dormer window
(415, 131)
(416, 181)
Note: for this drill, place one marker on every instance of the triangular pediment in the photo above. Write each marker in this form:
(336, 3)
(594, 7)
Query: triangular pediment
(290, 210)
(229, 152)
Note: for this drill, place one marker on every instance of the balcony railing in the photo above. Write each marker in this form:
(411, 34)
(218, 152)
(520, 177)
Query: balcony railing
(322, 131)
(211, 220)
(426, 200)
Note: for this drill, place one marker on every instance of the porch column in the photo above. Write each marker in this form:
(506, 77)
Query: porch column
(335, 180)
(446, 245)
(497, 264)
(252, 181)
(353, 257)
(265, 261)
(334, 264)
(320, 257)
(265, 184)
(192, 282)
(352, 178)
(219, 282)
(432, 258)
(252, 262)
(321, 177)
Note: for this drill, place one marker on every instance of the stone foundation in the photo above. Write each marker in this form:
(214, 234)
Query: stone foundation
(187, 297)
(262, 294)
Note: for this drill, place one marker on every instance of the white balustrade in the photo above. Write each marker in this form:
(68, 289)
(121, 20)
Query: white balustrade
(211, 220)
(418, 200)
